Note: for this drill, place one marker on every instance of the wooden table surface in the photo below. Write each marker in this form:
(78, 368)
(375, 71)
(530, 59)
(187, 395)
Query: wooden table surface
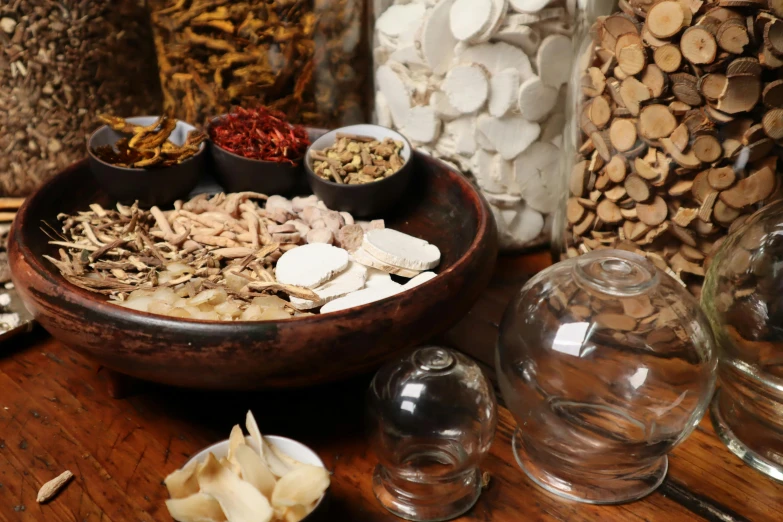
(56, 414)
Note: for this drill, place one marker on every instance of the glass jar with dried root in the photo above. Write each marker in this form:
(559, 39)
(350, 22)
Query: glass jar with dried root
(675, 133)
(480, 85)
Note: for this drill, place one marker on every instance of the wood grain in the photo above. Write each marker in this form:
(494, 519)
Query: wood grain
(55, 415)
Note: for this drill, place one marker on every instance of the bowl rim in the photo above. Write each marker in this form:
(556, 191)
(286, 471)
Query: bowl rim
(297, 162)
(201, 150)
(311, 173)
(95, 303)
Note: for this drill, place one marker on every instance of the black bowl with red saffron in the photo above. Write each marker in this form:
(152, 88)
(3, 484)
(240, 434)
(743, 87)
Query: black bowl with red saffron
(257, 150)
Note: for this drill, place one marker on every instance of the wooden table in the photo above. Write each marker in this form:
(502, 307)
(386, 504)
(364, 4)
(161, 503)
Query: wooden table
(55, 414)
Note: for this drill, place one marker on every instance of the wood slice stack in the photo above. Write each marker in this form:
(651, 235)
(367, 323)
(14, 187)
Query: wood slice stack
(681, 120)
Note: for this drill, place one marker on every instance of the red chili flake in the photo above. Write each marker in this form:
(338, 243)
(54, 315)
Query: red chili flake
(260, 133)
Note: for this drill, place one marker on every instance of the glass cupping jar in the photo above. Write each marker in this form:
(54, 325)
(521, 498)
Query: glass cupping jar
(606, 363)
(742, 298)
(432, 418)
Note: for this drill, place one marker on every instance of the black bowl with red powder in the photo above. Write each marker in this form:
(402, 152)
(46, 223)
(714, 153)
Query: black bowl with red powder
(257, 150)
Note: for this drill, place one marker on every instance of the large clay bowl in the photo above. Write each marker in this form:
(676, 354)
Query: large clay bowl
(441, 207)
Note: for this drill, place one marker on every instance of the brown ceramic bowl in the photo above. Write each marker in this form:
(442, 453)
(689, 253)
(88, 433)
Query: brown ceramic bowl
(443, 208)
(369, 199)
(237, 173)
(155, 186)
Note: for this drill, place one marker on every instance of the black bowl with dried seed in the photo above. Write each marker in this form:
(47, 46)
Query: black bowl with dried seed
(368, 186)
(170, 173)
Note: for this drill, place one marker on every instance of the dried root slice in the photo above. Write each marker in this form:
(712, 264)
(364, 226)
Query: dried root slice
(536, 99)
(732, 36)
(721, 178)
(310, 265)
(698, 45)
(668, 58)
(302, 486)
(755, 188)
(182, 483)
(239, 500)
(51, 488)
(773, 94)
(653, 214)
(740, 94)
(712, 85)
(622, 134)
(199, 507)
(593, 82)
(254, 469)
(400, 249)
(773, 124)
(665, 19)
(467, 87)
(656, 121)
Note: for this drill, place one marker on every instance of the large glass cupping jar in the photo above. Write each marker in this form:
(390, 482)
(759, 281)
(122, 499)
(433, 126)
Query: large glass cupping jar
(306, 58)
(674, 130)
(606, 364)
(480, 84)
(743, 299)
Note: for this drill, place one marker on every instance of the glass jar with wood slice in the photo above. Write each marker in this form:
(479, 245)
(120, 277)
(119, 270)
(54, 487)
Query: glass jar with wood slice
(676, 130)
(61, 63)
(480, 84)
(306, 58)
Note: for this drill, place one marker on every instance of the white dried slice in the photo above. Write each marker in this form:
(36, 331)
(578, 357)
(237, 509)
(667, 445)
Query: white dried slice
(463, 132)
(440, 102)
(253, 469)
(349, 280)
(280, 202)
(482, 140)
(400, 249)
(540, 198)
(552, 129)
(394, 88)
(522, 36)
(302, 486)
(467, 87)
(527, 225)
(509, 135)
(554, 59)
(469, 18)
(504, 88)
(377, 277)
(199, 507)
(310, 265)
(503, 201)
(499, 8)
(419, 280)
(182, 482)
(422, 125)
(536, 99)
(528, 6)
(487, 172)
(235, 439)
(437, 41)
(239, 500)
(507, 175)
(496, 57)
(538, 161)
(360, 255)
(362, 297)
(320, 235)
(408, 55)
(398, 19)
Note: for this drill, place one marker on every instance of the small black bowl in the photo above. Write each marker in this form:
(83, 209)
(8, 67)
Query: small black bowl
(237, 173)
(155, 186)
(368, 199)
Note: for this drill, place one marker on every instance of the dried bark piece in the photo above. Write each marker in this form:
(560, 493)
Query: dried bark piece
(51, 488)
(773, 94)
(705, 211)
(631, 57)
(655, 80)
(751, 190)
(691, 254)
(665, 19)
(680, 137)
(773, 37)
(637, 188)
(656, 121)
(698, 45)
(616, 169)
(609, 212)
(600, 145)
(683, 234)
(773, 123)
(685, 216)
(712, 85)
(681, 188)
(653, 214)
(633, 93)
(622, 134)
(721, 178)
(684, 87)
(615, 193)
(579, 177)
(733, 36)
(583, 226)
(600, 112)
(668, 58)
(593, 82)
(467, 87)
(724, 214)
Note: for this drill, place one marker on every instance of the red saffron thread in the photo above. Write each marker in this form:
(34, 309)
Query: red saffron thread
(260, 133)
